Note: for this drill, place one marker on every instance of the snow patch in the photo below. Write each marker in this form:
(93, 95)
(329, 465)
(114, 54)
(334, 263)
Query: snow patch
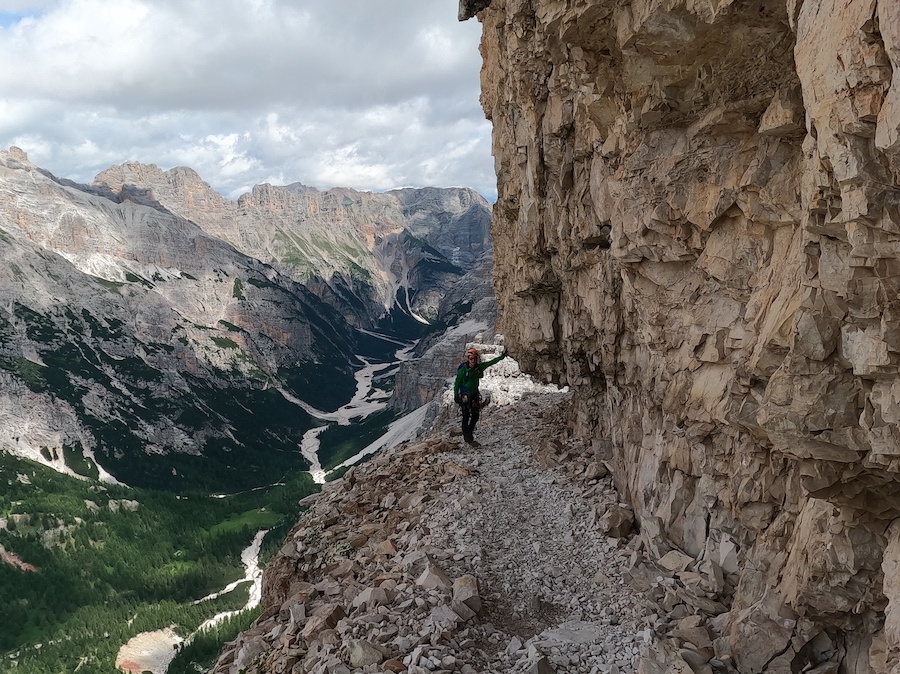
(309, 448)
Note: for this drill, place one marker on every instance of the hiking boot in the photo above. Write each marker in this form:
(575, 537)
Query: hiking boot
(474, 443)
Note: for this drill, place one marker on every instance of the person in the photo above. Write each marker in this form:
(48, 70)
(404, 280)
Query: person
(465, 390)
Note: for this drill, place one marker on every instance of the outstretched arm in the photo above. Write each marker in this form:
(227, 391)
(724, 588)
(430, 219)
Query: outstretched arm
(484, 366)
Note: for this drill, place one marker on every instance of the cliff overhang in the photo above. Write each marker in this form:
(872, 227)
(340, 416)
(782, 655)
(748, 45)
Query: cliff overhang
(698, 229)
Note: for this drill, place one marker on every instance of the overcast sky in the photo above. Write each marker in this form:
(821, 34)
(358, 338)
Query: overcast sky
(369, 94)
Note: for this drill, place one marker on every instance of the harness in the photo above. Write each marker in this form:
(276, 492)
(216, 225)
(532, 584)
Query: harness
(469, 395)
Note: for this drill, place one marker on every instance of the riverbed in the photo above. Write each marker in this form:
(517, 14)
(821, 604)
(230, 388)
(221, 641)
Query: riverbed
(154, 651)
(367, 400)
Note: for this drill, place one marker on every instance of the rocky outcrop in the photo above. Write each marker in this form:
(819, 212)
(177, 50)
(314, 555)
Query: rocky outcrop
(365, 253)
(697, 229)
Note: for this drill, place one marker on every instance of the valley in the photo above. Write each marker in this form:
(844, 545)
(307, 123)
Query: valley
(154, 651)
(172, 387)
(372, 383)
(108, 562)
(109, 572)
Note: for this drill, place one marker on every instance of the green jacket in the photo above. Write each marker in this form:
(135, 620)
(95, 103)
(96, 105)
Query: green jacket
(467, 377)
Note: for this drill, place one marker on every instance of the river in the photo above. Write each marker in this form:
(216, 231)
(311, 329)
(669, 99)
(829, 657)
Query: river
(367, 400)
(154, 651)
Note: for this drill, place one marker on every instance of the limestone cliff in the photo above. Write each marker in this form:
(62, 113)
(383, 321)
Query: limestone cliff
(367, 254)
(697, 229)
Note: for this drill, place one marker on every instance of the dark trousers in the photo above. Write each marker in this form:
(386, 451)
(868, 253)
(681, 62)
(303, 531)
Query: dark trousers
(470, 414)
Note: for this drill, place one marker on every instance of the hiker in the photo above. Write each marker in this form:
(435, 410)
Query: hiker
(465, 390)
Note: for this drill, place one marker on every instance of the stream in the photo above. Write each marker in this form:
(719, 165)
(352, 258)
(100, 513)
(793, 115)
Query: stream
(154, 651)
(367, 400)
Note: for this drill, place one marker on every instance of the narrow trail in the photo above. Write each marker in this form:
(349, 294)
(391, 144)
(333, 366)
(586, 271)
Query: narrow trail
(436, 557)
(551, 580)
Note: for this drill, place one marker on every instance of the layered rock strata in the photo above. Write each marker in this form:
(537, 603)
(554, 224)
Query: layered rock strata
(363, 252)
(697, 229)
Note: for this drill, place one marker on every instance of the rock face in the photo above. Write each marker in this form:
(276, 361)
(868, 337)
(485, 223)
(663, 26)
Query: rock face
(698, 230)
(369, 255)
(131, 338)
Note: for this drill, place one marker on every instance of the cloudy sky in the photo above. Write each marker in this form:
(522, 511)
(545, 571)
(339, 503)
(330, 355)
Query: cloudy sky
(370, 94)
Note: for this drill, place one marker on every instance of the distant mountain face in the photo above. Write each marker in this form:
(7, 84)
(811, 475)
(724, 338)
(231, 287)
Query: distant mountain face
(467, 311)
(157, 333)
(380, 259)
(130, 335)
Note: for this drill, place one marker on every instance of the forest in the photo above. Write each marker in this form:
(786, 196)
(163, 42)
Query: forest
(89, 565)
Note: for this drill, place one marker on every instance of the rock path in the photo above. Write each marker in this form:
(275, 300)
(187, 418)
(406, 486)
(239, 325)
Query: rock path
(438, 557)
(550, 578)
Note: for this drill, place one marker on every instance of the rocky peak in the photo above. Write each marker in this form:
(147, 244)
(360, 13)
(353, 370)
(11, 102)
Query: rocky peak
(384, 251)
(17, 154)
(135, 181)
(461, 229)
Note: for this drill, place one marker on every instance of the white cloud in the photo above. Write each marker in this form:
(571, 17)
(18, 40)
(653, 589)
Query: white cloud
(358, 93)
(25, 7)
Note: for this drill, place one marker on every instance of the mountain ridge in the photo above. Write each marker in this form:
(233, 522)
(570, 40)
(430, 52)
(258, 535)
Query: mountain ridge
(134, 329)
(350, 245)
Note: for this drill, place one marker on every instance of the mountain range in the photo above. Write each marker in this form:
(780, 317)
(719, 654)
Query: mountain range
(155, 333)
(370, 255)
